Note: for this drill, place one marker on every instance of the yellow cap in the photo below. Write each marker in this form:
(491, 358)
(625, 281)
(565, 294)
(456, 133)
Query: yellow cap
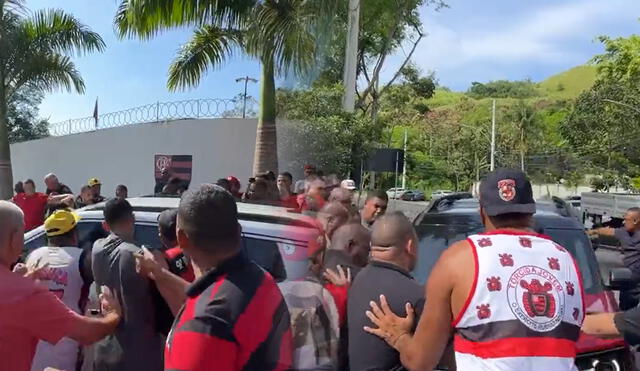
(60, 222)
(94, 181)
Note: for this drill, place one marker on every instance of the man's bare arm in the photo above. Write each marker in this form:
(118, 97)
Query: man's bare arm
(88, 330)
(601, 325)
(58, 199)
(423, 349)
(606, 231)
(172, 287)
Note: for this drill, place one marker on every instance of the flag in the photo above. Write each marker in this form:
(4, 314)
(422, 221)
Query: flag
(95, 113)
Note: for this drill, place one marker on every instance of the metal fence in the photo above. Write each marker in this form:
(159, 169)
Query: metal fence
(159, 112)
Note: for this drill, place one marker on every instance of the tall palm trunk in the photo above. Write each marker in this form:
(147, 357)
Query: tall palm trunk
(266, 155)
(6, 176)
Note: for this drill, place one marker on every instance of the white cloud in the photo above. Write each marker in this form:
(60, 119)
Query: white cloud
(556, 34)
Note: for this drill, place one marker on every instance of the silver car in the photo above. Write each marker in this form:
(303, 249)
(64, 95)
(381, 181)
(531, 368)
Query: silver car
(273, 237)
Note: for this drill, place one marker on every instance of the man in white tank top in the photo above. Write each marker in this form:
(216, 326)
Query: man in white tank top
(512, 298)
(68, 276)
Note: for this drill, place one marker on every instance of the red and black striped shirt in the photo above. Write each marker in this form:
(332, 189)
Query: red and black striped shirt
(234, 319)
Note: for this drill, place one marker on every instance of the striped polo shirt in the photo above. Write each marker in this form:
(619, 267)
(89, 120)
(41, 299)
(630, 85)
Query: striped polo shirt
(234, 319)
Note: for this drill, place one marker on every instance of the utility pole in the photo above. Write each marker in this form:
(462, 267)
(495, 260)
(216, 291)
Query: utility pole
(493, 136)
(351, 57)
(404, 163)
(246, 80)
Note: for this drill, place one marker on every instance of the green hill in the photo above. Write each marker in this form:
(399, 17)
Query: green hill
(570, 83)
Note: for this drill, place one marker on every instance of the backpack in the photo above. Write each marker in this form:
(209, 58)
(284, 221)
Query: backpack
(314, 325)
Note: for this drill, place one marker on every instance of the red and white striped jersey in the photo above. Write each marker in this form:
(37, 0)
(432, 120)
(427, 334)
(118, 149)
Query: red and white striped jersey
(525, 307)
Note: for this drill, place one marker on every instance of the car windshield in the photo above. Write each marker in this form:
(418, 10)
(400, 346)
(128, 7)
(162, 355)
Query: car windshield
(434, 239)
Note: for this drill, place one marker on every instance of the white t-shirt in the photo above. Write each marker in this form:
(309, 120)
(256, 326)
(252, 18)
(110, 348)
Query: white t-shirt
(65, 281)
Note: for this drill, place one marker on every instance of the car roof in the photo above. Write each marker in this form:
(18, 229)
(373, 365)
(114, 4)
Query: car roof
(151, 206)
(555, 211)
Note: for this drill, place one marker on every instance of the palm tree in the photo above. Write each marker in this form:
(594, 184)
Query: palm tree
(34, 53)
(278, 33)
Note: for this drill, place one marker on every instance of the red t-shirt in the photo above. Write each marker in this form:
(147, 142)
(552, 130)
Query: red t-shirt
(28, 313)
(179, 264)
(33, 206)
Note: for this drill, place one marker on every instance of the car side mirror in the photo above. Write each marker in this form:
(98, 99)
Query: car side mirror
(619, 278)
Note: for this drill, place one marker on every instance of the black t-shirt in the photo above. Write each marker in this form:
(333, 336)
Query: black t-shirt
(367, 351)
(628, 323)
(630, 242)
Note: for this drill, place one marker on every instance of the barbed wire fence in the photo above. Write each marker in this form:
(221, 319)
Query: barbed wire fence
(159, 112)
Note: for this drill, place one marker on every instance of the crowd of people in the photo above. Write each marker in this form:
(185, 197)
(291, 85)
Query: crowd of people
(200, 302)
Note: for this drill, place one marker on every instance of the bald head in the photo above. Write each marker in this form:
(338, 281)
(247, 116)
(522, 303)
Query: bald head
(332, 216)
(11, 232)
(394, 239)
(355, 241)
(341, 195)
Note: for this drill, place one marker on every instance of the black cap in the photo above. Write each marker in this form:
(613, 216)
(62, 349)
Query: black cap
(507, 191)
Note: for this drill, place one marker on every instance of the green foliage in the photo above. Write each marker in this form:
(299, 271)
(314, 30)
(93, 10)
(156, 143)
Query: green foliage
(22, 117)
(621, 60)
(35, 55)
(503, 89)
(314, 129)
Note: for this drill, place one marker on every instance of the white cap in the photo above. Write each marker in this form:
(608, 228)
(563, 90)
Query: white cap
(348, 184)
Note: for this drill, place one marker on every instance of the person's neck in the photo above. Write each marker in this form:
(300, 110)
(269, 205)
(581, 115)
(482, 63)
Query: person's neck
(397, 262)
(203, 263)
(491, 228)
(123, 236)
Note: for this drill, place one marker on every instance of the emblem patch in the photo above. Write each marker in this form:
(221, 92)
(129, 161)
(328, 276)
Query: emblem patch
(536, 298)
(507, 189)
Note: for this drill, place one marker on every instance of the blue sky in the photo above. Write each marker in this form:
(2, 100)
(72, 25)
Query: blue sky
(470, 41)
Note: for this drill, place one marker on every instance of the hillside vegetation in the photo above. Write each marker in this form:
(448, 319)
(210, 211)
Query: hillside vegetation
(569, 84)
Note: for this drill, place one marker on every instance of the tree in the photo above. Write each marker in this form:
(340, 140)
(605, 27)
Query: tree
(503, 89)
(34, 53)
(316, 130)
(22, 117)
(280, 34)
(621, 61)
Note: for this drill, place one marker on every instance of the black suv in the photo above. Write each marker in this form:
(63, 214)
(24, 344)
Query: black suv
(454, 217)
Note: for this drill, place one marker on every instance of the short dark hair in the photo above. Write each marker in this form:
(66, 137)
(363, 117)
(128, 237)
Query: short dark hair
(512, 220)
(209, 216)
(634, 210)
(121, 187)
(377, 193)
(30, 181)
(224, 183)
(62, 240)
(19, 187)
(287, 174)
(117, 209)
(167, 224)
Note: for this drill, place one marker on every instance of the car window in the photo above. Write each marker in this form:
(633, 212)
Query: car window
(89, 232)
(578, 244)
(267, 255)
(434, 239)
(147, 234)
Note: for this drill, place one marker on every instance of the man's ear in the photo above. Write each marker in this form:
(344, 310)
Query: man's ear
(183, 239)
(411, 247)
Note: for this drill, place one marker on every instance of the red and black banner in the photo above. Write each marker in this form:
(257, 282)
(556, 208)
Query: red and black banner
(179, 166)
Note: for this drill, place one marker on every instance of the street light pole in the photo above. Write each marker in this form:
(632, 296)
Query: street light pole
(493, 136)
(246, 80)
(351, 57)
(404, 163)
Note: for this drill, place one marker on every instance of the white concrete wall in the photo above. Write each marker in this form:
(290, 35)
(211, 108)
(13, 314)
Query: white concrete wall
(220, 147)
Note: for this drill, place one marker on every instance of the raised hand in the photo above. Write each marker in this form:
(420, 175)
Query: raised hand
(340, 278)
(390, 326)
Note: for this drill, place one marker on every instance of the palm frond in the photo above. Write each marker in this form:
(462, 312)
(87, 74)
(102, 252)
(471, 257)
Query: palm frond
(147, 18)
(60, 32)
(285, 30)
(50, 72)
(209, 47)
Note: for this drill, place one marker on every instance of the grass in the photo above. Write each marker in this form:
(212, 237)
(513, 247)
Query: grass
(570, 83)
